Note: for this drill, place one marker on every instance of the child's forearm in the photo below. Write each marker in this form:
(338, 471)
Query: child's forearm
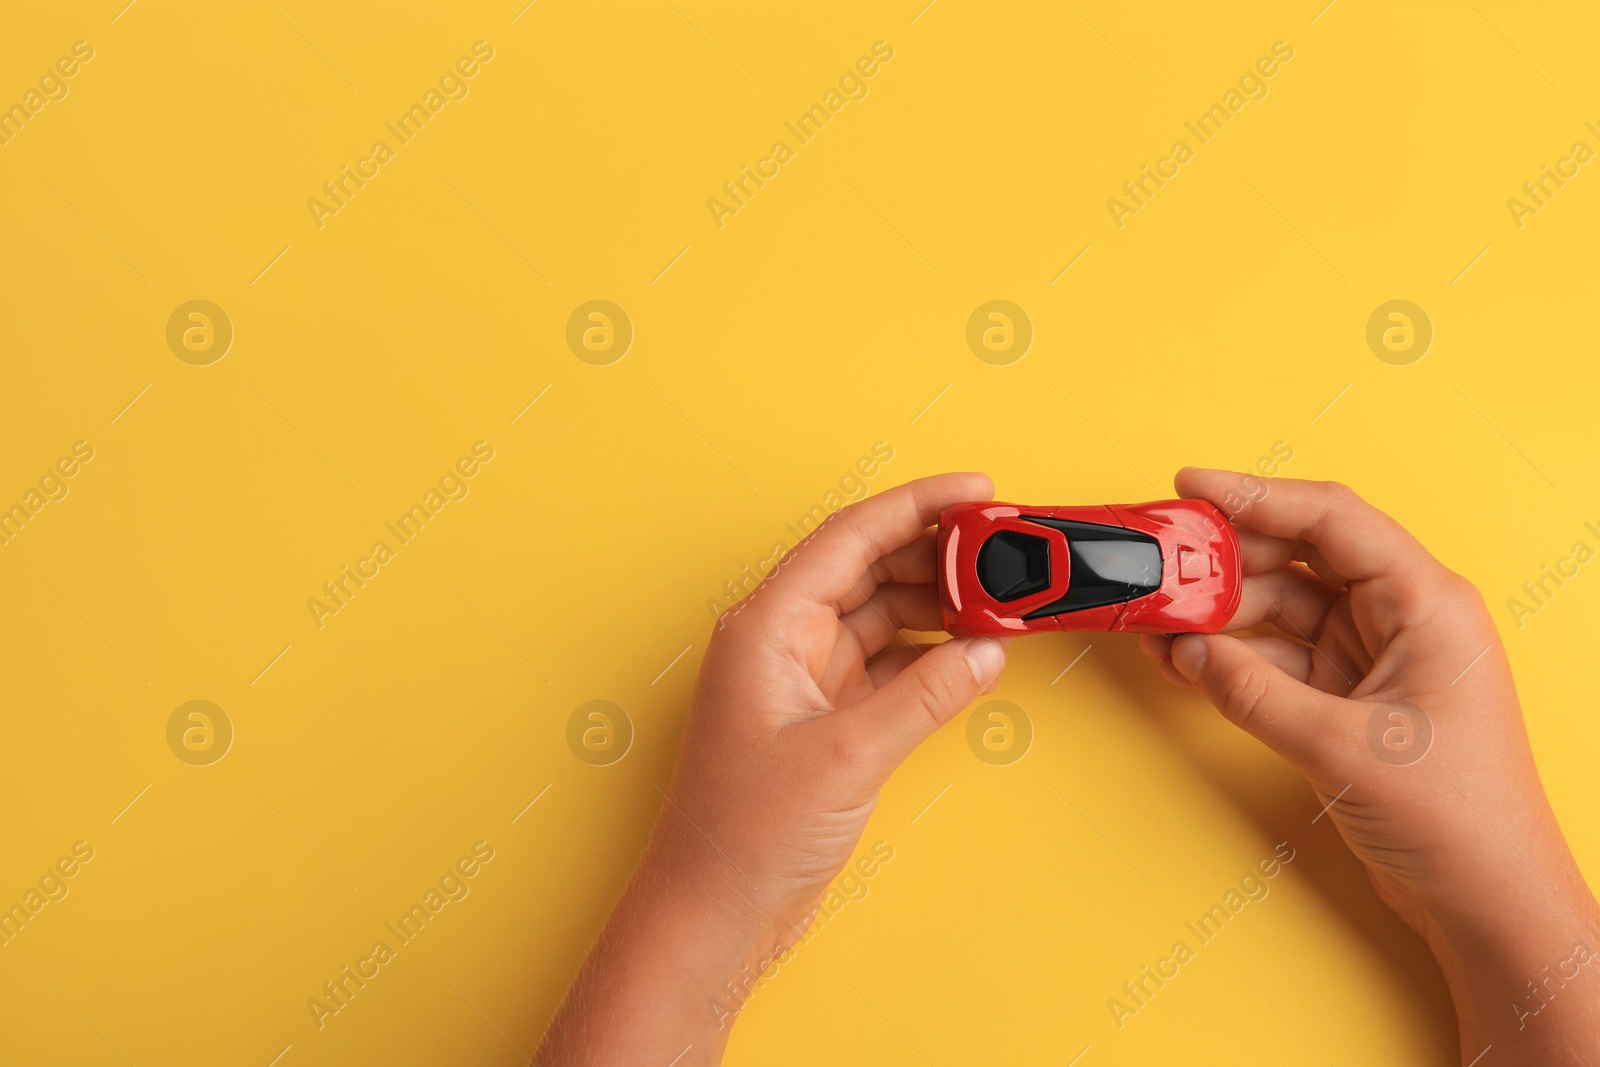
(665, 980)
(1524, 975)
(648, 991)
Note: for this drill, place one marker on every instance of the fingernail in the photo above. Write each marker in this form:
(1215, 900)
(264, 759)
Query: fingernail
(1189, 656)
(985, 658)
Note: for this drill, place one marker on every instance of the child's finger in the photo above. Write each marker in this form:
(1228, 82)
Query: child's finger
(1263, 552)
(1356, 539)
(1157, 646)
(894, 607)
(1290, 657)
(925, 695)
(1170, 673)
(882, 669)
(828, 566)
(1300, 723)
(912, 564)
(916, 562)
(1294, 600)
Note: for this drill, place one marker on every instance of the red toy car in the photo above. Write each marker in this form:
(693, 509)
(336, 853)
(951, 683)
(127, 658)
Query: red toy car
(1170, 566)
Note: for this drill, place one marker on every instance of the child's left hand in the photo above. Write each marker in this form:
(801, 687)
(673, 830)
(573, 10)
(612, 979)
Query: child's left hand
(807, 701)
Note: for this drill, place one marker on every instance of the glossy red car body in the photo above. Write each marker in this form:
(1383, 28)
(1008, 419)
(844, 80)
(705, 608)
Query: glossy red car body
(1169, 566)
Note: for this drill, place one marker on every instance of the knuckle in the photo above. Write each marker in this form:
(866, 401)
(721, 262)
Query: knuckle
(861, 534)
(1243, 689)
(1440, 593)
(1462, 590)
(851, 747)
(935, 691)
(1339, 491)
(1461, 599)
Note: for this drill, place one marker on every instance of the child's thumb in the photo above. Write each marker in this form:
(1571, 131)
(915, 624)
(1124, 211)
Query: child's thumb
(929, 693)
(1290, 717)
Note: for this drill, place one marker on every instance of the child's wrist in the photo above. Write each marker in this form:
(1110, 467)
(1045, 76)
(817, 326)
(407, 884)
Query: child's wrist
(699, 884)
(668, 948)
(715, 944)
(1513, 962)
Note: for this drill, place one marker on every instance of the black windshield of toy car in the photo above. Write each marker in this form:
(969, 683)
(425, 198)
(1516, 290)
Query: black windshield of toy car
(1013, 565)
(1110, 565)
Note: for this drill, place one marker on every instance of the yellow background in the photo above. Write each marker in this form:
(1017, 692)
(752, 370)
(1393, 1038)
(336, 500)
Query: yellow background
(823, 317)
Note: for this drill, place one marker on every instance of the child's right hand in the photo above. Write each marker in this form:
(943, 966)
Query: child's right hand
(1389, 689)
